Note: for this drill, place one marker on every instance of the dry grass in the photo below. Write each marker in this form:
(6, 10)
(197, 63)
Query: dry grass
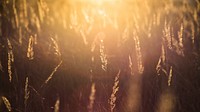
(7, 103)
(26, 94)
(92, 98)
(57, 105)
(52, 73)
(10, 60)
(115, 89)
(91, 40)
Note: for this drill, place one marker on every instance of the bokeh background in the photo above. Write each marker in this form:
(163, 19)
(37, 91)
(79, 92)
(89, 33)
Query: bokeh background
(100, 55)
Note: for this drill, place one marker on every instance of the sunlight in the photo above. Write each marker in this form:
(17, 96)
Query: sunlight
(100, 1)
(96, 2)
(101, 12)
(99, 55)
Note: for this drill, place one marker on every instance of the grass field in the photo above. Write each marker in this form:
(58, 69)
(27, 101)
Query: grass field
(99, 56)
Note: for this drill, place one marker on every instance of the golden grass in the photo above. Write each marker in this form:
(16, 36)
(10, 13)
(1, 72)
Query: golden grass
(170, 76)
(52, 73)
(103, 56)
(7, 103)
(30, 52)
(113, 96)
(131, 65)
(92, 22)
(57, 105)
(91, 98)
(10, 60)
(55, 46)
(138, 53)
(26, 94)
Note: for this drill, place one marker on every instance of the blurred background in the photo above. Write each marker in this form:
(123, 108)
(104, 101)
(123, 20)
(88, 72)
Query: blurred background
(99, 55)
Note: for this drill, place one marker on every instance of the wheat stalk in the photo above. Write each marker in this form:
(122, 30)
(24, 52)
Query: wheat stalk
(30, 51)
(84, 37)
(138, 53)
(52, 73)
(7, 103)
(131, 65)
(55, 46)
(25, 8)
(10, 60)
(15, 14)
(103, 56)
(92, 98)
(167, 35)
(57, 104)
(161, 61)
(26, 94)
(114, 91)
(180, 36)
(170, 76)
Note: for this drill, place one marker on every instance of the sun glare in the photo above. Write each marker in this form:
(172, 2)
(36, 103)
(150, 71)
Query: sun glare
(99, 55)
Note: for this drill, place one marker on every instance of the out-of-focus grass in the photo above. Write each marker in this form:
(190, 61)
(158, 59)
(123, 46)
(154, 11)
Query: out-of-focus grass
(64, 55)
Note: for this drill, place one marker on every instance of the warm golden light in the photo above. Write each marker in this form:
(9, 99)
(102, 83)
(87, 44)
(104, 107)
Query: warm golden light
(99, 55)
